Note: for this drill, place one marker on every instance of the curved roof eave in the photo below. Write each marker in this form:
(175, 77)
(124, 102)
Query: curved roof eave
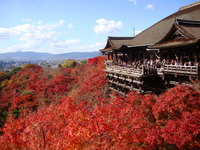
(157, 31)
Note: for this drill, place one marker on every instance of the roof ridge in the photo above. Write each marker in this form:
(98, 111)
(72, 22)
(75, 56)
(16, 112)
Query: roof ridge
(120, 37)
(190, 5)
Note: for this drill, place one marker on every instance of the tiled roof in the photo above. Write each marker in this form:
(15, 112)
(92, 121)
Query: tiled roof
(153, 34)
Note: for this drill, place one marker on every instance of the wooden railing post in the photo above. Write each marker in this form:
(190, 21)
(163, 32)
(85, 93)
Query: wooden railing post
(182, 69)
(143, 70)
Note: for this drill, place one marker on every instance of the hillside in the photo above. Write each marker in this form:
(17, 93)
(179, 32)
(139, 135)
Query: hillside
(69, 108)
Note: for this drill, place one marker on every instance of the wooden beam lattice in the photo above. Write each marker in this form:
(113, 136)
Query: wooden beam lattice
(193, 70)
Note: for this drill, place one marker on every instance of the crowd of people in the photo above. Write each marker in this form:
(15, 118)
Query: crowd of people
(157, 63)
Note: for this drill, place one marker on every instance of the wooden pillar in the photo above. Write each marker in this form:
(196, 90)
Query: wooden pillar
(181, 57)
(126, 58)
(116, 58)
(123, 55)
(197, 52)
(168, 56)
(112, 56)
(143, 56)
(160, 54)
(118, 88)
(195, 56)
(123, 58)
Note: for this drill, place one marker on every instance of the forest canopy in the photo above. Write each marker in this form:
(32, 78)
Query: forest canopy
(69, 108)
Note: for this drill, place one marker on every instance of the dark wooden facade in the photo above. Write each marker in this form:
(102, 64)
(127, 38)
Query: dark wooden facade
(173, 42)
(181, 44)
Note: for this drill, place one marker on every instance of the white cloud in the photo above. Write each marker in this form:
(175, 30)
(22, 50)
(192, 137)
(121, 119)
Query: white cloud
(27, 20)
(4, 33)
(21, 29)
(70, 25)
(52, 25)
(134, 1)
(66, 44)
(58, 47)
(34, 37)
(77, 48)
(96, 46)
(107, 26)
(30, 46)
(150, 7)
(92, 47)
(61, 22)
(39, 30)
(75, 41)
(42, 37)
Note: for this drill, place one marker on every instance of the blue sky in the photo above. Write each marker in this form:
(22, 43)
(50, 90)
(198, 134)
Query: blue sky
(61, 26)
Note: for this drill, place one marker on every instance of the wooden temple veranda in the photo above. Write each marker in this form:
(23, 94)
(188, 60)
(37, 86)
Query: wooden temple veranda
(164, 55)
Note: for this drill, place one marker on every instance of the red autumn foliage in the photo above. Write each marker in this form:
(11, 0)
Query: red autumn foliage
(97, 61)
(177, 113)
(18, 83)
(79, 115)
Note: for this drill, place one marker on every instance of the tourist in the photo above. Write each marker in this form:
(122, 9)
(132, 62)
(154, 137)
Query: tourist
(189, 63)
(176, 63)
(185, 63)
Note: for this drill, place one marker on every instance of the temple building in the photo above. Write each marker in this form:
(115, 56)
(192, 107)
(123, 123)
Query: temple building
(113, 45)
(163, 55)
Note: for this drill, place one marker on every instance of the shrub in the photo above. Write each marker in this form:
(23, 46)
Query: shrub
(83, 62)
(27, 66)
(68, 63)
(25, 92)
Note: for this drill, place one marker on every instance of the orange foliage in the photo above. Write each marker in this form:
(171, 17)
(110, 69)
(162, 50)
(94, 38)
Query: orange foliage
(77, 114)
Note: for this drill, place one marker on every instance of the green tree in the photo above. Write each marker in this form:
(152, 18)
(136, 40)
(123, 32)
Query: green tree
(13, 71)
(83, 62)
(68, 63)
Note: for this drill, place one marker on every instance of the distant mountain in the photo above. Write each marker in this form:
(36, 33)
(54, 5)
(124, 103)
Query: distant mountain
(77, 55)
(46, 56)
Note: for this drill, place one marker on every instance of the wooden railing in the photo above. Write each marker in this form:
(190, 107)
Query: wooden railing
(124, 70)
(193, 70)
(129, 70)
(181, 69)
